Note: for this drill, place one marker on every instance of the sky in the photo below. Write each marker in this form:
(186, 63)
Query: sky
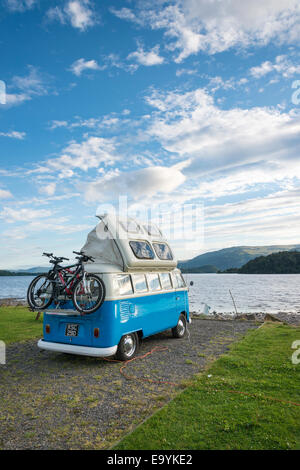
(171, 105)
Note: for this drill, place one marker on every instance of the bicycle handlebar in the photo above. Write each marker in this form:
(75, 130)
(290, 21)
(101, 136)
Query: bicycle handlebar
(82, 256)
(57, 259)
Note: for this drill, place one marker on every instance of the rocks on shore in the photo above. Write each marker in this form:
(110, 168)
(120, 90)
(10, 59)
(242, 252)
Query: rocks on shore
(290, 318)
(12, 302)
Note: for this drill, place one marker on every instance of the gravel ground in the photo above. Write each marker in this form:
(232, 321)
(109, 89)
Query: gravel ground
(59, 401)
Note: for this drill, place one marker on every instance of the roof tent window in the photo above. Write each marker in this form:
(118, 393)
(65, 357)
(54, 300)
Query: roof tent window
(163, 251)
(130, 226)
(165, 281)
(142, 250)
(139, 283)
(153, 282)
(124, 284)
(152, 230)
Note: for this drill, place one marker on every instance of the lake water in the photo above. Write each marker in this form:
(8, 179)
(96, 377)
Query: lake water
(252, 292)
(14, 286)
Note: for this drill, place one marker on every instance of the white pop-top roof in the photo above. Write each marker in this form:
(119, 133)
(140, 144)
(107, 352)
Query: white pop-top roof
(128, 244)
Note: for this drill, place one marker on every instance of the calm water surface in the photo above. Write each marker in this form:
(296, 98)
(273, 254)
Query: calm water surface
(252, 292)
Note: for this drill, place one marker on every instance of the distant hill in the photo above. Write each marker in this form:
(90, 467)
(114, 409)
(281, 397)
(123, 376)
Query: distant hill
(12, 273)
(24, 272)
(284, 262)
(234, 257)
(202, 269)
(39, 269)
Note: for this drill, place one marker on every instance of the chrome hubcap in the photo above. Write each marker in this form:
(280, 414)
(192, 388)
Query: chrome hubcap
(129, 345)
(181, 327)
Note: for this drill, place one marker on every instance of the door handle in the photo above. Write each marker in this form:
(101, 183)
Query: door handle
(177, 298)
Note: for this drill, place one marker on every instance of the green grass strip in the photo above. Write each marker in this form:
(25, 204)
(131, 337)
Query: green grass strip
(19, 324)
(201, 418)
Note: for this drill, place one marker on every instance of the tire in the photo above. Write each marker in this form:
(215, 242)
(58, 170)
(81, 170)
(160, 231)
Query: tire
(180, 329)
(38, 301)
(128, 347)
(79, 297)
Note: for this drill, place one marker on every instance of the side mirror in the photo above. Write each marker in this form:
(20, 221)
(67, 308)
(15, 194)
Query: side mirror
(191, 283)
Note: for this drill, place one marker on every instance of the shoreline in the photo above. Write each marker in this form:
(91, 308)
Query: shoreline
(290, 318)
(13, 302)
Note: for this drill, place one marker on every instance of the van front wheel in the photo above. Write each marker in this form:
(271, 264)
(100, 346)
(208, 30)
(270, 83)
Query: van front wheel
(128, 347)
(179, 330)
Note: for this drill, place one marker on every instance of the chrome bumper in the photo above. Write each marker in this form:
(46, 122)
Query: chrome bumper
(74, 349)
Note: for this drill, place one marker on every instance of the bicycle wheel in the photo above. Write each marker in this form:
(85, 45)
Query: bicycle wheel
(40, 292)
(88, 293)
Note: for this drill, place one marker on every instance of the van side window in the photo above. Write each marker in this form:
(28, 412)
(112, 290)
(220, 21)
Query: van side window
(163, 251)
(153, 282)
(139, 282)
(180, 280)
(165, 281)
(124, 284)
(142, 250)
(174, 280)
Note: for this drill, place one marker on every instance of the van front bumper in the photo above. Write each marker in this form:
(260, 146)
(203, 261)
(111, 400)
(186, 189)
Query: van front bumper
(74, 349)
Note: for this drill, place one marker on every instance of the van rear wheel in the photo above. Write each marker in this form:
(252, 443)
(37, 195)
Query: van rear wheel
(180, 329)
(128, 347)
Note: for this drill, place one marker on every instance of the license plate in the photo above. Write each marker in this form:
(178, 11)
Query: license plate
(72, 329)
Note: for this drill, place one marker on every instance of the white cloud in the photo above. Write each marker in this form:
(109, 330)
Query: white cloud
(147, 58)
(14, 99)
(48, 189)
(276, 203)
(191, 26)
(180, 72)
(30, 84)
(23, 215)
(125, 14)
(14, 135)
(26, 86)
(55, 124)
(77, 12)
(80, 65)
(191, 125)
(93, 152)
(106, 121)
(282, 65)
(271, 219)
(20, 5)
(143, 183)
(4, 194)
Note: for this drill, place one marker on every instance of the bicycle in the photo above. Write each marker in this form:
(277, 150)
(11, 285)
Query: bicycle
(87, 291)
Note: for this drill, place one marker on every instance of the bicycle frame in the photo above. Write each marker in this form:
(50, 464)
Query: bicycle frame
(66, 284)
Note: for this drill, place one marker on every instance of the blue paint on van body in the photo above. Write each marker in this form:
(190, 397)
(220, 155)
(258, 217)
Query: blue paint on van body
(148, 315)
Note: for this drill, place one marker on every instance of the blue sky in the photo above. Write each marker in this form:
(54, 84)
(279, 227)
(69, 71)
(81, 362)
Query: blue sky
(170, 103)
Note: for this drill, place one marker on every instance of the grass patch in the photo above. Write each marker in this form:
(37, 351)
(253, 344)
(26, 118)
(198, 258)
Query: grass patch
(19, 324)
(202, 418)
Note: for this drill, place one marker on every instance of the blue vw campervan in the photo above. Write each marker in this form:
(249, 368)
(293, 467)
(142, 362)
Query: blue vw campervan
(145, 294)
